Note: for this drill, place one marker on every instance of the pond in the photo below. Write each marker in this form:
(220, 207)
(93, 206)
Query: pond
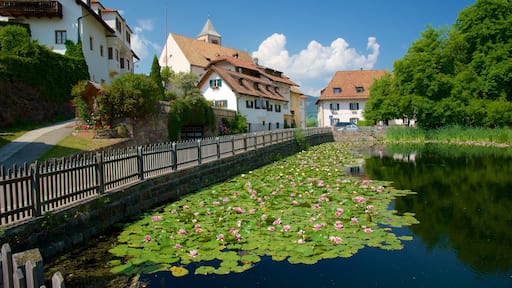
(463, 239)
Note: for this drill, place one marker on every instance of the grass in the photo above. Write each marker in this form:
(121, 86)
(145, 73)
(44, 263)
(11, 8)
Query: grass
(73, 144)
(7, 135)
(451, 134)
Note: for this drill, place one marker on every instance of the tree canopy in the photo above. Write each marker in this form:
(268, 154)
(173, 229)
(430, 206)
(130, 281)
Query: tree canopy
(457, 76)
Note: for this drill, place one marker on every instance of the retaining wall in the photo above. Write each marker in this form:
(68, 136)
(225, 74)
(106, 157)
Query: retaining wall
(60, 231)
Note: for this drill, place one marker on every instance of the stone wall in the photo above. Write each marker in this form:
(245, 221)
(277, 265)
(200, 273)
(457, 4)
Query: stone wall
(62, 230)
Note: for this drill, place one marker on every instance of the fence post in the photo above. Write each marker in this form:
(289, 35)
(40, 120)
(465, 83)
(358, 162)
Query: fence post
(218, 147)
(140, 163)
(233, 144)
(99, 173)
(34, 183)
(7, 266)
(32, 278)
(199, 160)
(174, 156)
(57, 280)
(245, 142)
(19, 279)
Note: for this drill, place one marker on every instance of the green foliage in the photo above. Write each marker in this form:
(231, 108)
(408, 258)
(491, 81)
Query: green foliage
(191, 110)
(132, 95)
(460, 76)
(312, 122)
(236, 125)
(15, 40)
(298, 133)
(157, 78)
(312, 214)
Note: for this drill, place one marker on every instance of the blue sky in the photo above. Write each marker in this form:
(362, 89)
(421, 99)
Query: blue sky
(309, 41)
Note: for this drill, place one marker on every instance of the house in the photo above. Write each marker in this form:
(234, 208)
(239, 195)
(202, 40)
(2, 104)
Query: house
(105, 36)
(193, 55)
(261, 94)
(344, 98)
(297, 108)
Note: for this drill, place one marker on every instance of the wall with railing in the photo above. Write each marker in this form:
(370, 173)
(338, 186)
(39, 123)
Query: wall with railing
(35, 189)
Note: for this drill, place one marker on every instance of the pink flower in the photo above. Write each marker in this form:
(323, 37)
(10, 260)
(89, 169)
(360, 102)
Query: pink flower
(185, 207)
(300, 241)
(238, 236)
(156, 218)
(182, 232)
(147, 238)
(220, 237)
(368, 230)
(286, 228)
(359, 199)
(236, 193)
(215, 203)
(264, 217)
(177, 246)
(239, 223)
(316, 206)
(262, 204)
(335, 239)
(193, 253)
(252, 210)
(239, 210)
(338, 225)
(225, 200)
(354, 220)
(271, 228)
(295, 203)
(319, 183)
(199, 230)
(277, 221)
(312, 219)
(317, 227)
(300, 232)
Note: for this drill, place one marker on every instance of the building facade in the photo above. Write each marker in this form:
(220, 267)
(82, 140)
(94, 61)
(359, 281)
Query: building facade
(344, 98)
(105, 35)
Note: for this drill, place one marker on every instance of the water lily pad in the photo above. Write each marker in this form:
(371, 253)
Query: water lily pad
(178, 271)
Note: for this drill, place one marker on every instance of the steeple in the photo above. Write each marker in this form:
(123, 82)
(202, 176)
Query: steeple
(208, 34)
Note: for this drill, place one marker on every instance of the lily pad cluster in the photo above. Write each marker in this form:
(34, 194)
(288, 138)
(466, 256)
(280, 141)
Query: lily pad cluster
(301, 209)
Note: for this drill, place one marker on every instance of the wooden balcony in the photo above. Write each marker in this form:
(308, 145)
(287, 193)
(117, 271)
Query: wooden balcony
(23, 8)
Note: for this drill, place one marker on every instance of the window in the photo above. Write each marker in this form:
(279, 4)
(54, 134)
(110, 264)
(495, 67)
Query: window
(354, 120)
(277, 125)
(336, 90)
(220, 103)
(215, 83)
(117, 55)
(359, 89)
(101, 50)
(110, 53)
(334, 106)
(91, 43)
(258, 104)
(127, 64)
(128, 37)
(121, 63)
(278, 108)
(249, 104)
(118, 25)
(60, 36)
(354, 106)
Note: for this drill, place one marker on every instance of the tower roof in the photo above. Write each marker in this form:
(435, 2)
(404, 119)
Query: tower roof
(208, 29)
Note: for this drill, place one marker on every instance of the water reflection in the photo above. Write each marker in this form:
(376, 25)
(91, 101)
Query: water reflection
(463, 202)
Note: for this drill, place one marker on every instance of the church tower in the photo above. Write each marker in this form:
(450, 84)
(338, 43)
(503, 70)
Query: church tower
(208, 34)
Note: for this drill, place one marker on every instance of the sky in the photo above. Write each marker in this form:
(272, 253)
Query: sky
(307, 40)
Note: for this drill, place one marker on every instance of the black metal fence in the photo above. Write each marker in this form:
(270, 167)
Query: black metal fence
(37, 188)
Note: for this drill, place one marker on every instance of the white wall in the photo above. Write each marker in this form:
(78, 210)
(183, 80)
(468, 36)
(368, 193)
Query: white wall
(222, 93)
(342, 115)
(176, 60)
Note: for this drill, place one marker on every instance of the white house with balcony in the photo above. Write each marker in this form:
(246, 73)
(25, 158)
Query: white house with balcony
(105, 35)
(344, 98)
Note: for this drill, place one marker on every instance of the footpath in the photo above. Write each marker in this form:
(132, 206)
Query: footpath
(31, 145)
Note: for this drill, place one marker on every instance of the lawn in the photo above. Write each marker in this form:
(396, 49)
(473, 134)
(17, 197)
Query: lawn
(73, 144)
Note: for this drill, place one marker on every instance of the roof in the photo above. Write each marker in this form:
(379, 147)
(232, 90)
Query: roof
(200, 53)
(208, 29)
(245, 84)
(96, 16)
(349, 82)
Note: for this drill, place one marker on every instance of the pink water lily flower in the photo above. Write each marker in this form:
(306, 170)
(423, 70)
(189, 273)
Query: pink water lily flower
(157, 218)
(368, 230)
(177, 246)
(271, 228)
(182, 232)
(335, 239)
(147, 238)
(220, 237)
(359, 199)
(277, 221)
(286, 228)
(317, 227)
(354, 220)
(193, 253)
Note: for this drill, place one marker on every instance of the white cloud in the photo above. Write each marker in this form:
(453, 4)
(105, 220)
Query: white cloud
(315, 65)
(143, 47)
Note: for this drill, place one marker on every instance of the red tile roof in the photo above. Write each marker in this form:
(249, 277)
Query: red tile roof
(349, 82)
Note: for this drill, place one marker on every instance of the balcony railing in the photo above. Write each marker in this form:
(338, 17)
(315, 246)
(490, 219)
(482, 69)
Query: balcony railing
(30, 8)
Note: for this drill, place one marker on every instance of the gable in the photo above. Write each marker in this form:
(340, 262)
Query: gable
(351, 84)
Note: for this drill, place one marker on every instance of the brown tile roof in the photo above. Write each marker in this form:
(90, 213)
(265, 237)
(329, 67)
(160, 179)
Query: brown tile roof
(277, 76)
(348, 81)
(200, 53)
(235, 61)
(245, 84)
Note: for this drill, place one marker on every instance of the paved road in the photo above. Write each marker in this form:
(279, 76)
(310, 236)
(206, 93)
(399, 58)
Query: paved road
(30, 146)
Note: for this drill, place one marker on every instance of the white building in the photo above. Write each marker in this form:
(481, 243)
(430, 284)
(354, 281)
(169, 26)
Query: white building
(248, 89)
(104, 33)
(344, 98)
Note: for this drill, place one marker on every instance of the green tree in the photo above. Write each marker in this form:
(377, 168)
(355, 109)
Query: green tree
(15, 40)
(133, 95)
(157, 77)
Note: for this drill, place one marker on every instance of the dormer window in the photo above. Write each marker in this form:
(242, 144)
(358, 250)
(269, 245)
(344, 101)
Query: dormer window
(215, 83)
(359, 89)
(336, 90)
